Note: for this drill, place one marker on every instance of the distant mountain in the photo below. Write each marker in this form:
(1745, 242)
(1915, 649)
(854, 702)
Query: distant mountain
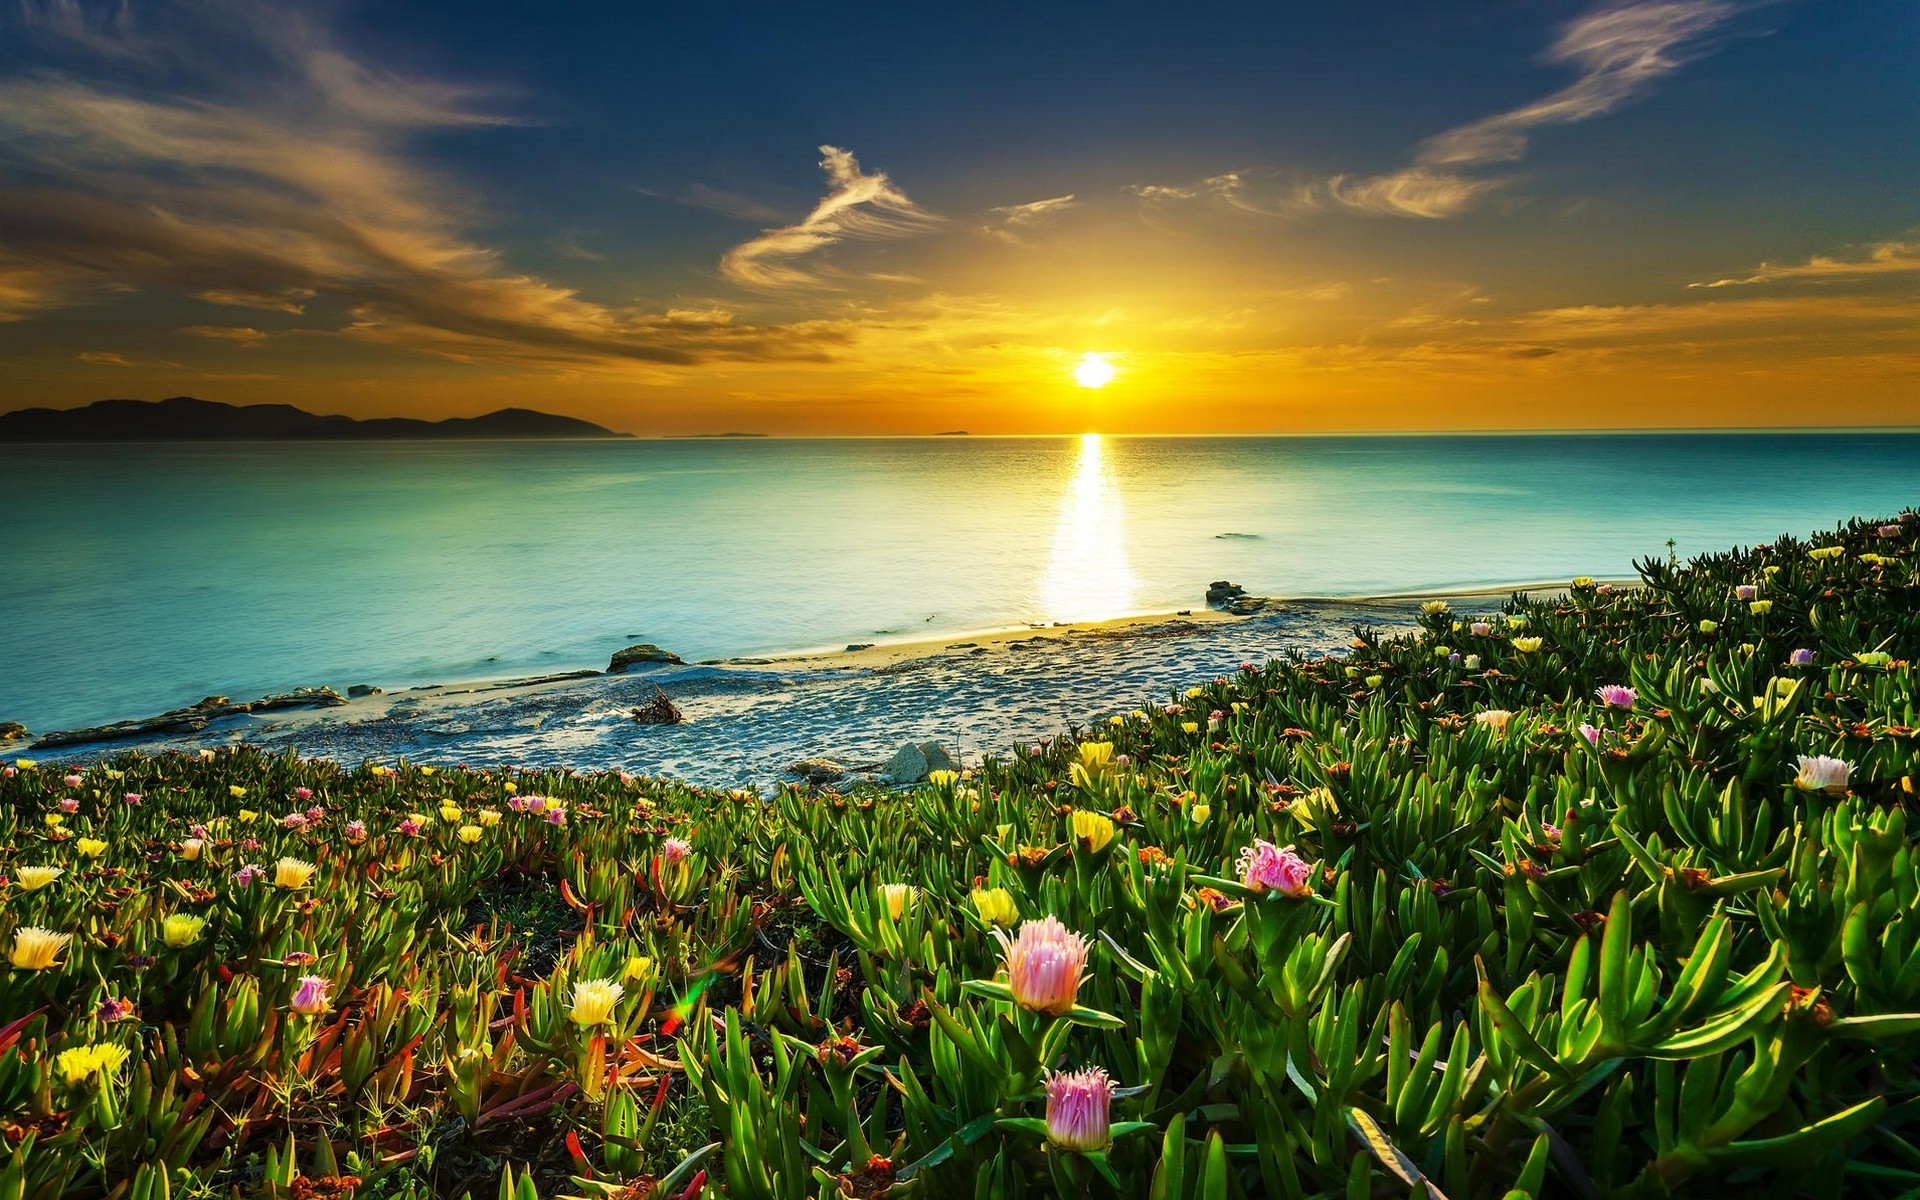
(185, 419)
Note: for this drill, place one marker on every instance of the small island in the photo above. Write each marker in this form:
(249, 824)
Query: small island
(188, 419)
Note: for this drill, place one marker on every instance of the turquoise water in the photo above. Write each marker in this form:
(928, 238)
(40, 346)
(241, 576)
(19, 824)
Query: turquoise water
(139, 578)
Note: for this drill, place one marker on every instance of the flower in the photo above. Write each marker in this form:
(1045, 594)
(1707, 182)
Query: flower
(34, 948)
(293, 820)
(356, 831)
(489, 817)
(1761, 608)
(245, 876)
(638, 965)
(556, 815)
(996, 905)
(1374, 681)
(32, 879)
(190, 849)
(1094, 756)
(1746, 591)
(82, 1061)
(292, 873)
(1044, 965)
(310, 998)
(943, 779)
(1800, 658)
(133, 798)
(1472, 662)
(410, 827)
(1189, 727)
(1265, 867)
(70, 804)
(248, 816)
(1872, 658)
(674, 851)
(1819, 773)
(1615, 695)
(182, 929)
(1527, 645)
(90, 847)
(1480, 628)
(1497, 718)
(450, 813)
(1591, 733)
(593, 1001)
(1583, 581)
(302, 793)
(1827, 552)
(1709, 626)
(236, 791)
(1079, 1109)
(1888, 530)
(898, 897)
(1434, 608)
(112, 1009)
(1093, 829)
(1199, 813)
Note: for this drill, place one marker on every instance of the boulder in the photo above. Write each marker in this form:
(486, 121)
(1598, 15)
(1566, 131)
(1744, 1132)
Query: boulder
(307, 697)
(852, 646)
(643, 652)
(11, 731)
(660, 710)
(817, 771)
(937, 757)
(908, 765)
(1221, 590)
(362, 689)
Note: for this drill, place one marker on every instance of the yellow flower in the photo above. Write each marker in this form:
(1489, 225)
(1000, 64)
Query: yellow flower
(1434, 608)
(292, 873)
(470, 834)
(996, 905)
(1496, 717)
(1315, 809)
(449, 813)
(248, 816)
(593, 1001)
(1095, 756)
(1095, 829)
(1116, 720)
(1199, 813)
(896, 896)
(1583, 581)
(1709, 626)
(90, 847)
(25, 764)
(1189, 727)
(182, 929)
(942, 779)
(236, 791)
(428, 770)
(1827, 552)
(513, 789)
(1374, 681)
(55, 819)
(638, 967)
(379, 770)
(82, 1061)
(1761, 607)
(489, 816)
(1527, 645)
(32, 879)
(1195, 693)
(190, 849)
(34, 948)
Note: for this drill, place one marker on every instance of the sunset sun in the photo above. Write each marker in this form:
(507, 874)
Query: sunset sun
(1093, 371)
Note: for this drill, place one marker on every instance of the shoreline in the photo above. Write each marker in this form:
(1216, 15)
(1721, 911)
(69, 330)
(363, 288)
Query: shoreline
(747, 719)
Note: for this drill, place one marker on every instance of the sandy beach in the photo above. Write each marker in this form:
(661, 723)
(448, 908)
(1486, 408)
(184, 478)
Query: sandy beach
(747, 720)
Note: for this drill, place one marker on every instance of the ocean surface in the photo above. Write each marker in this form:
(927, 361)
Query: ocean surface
(143, 577)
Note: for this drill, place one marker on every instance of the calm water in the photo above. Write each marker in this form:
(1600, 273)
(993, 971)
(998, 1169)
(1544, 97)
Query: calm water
(139, 578)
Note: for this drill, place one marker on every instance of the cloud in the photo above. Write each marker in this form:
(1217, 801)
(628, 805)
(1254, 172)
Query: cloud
(1011, 222)
(1620, 52)
(113, 358)
(859, 206)
(1886, 258)
(244, 335)
(699, 195)
(234, 153)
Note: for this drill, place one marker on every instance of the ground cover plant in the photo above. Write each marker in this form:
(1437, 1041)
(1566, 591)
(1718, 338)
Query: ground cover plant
(1610, 894)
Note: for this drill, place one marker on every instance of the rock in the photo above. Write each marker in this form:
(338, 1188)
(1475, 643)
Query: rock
(1185, 612)
(817, 771)
(643, 652)
(908, 765)
(962, 645)
(362, 689)
(937, 757)
(190, 720)
(749, 662)
(307, 697)
(1245, 606)
(11, 731)
(660, 710)
(852, 646)
(1221, 590)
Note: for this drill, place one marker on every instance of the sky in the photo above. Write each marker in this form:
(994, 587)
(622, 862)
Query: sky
(905, 219)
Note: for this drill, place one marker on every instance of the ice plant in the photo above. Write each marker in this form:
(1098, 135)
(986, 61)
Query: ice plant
(1079, 1109)
(1265, 867)
(594, 1001)
(1044, 965)
(77, 1064)
(1616, 696)
(1746, 591)
(996, 905)
(896, 896)
(1527, 645)
(675, 850)
(356, 831)
(1093, 829)
(190, 849)
(1591, 733)
(1494, 718)
(1095, 756)
(1800, 658)
(1481, 628)
(292, 873)
(310, 998)
(943, 779)
(32, 879)
(1761, 608)
(1819, 773)
(470, 833)
(181, 929)
(35, 949)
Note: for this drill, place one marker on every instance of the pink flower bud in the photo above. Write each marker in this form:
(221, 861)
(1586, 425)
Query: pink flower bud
(1265, 867)
(1079, 1109)
(310, 999)
(1045, 965)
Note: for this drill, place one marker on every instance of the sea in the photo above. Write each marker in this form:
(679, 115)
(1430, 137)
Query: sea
(138, 578)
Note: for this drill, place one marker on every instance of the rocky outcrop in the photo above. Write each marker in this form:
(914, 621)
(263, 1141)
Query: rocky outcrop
(1221, 591)
(11, 731)
(191, 720)
(817, 771)
(644, 652)
(362, 689)
(913, 762)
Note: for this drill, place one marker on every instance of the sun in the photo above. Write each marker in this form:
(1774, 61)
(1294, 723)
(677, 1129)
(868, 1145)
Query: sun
(1093, 371)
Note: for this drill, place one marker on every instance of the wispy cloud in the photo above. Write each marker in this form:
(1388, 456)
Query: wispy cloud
(233, 152)
(732, 204)
(1013, 222)
(1886, 258)
(243, 335)
(1620, 52)
(859, 206)
(113, 358)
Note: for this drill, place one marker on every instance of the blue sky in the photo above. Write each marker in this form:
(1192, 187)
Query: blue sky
(901, 218)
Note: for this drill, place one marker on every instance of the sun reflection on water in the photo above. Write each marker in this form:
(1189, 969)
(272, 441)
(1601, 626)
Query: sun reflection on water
(1088, 576)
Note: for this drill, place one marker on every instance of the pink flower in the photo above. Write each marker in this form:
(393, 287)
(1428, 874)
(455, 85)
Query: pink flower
(1801, 658)
(535, 804)
(250, 845)
(310, 999)
(197, 830)
(556, 816)
(69, 804)
(1045, 965)
(303, 793)
(293, 820)
(1481, 628)
(246, 875)
(410, 827)
(1591, 733)
(1617, 696)
(132, 798)
(1265, 867)
(112, 1010)
(674, 851)
(1889, 531)
(1745, 591)
(74, 781)
(356, 831)
(1605, 589)
(517, 803)
(315, 813)
(1550, 832)
(1079, 1109)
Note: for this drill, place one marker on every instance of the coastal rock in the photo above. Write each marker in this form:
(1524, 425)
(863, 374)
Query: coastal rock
(362, 689)
(852, 646)
(937, 757)
(1245, 606)
(643, 652)
(11, 731)
(659, 710)
(816, 771)
(908, 765)
(307, 697)
(190, 720)
(1220, 591)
